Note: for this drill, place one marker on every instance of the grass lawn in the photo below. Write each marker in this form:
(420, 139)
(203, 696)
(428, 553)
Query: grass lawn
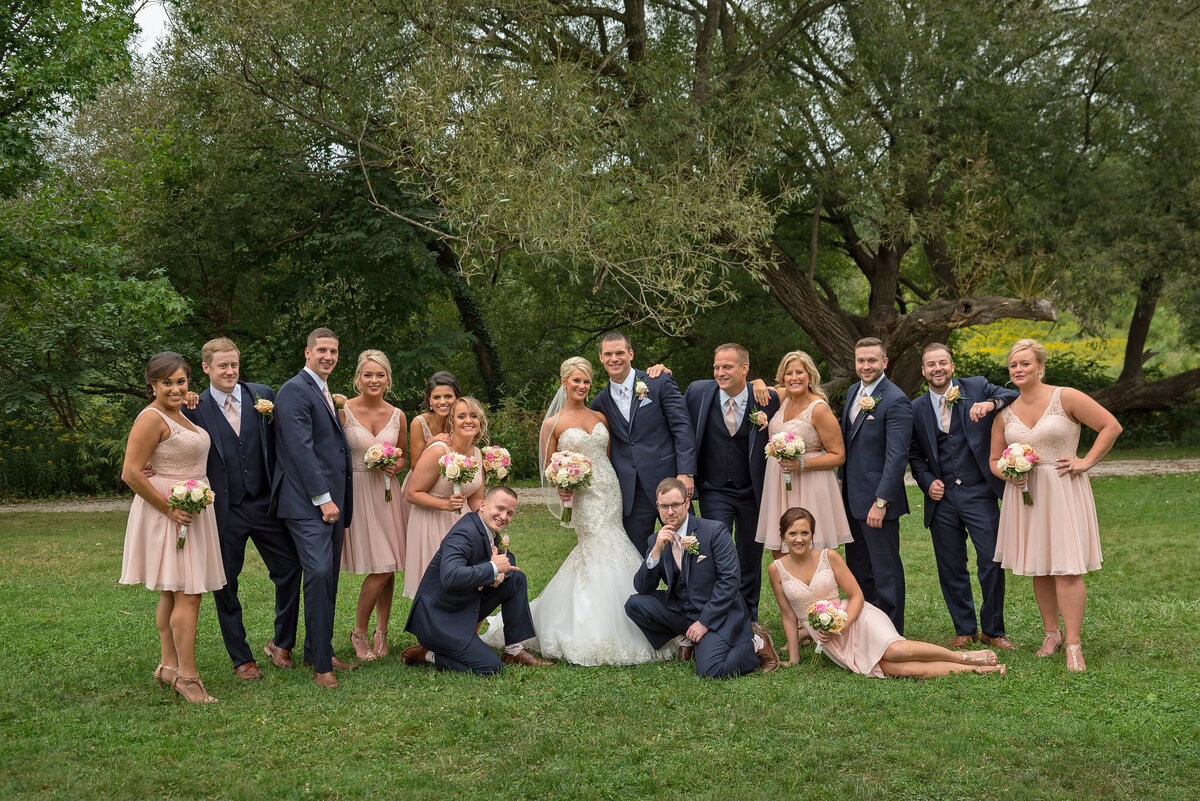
(81, 718)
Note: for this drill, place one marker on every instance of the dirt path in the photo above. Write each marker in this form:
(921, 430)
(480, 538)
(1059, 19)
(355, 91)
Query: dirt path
(1114, 467)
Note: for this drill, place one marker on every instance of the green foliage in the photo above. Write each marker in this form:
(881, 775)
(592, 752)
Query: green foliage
(39, 458)
(517, 428)
(53, 55)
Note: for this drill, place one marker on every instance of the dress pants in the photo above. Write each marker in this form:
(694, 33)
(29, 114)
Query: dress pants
(969, 511)
(738, 510)
(642, 519)
(660, 619)
(251, 519)
(319, 549)
(512, 598)
(874, 560)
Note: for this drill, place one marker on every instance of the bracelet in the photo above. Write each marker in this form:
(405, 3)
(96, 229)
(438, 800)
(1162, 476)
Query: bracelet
(802, 463)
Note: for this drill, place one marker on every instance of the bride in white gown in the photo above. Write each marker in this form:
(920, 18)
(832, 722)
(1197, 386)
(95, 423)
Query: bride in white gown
(580, 615)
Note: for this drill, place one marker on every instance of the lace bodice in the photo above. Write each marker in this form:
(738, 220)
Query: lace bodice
(360, 438)
(443, 488)
(822, 587)
(597, 516)
(1053, 436)
(184, 454)
(800, 424)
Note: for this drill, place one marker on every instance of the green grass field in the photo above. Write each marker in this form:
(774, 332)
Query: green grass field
(81, 718)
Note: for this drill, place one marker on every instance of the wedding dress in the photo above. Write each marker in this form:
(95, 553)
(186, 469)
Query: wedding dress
(580, 615)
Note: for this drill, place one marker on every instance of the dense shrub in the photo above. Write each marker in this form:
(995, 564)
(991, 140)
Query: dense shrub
(40, 459)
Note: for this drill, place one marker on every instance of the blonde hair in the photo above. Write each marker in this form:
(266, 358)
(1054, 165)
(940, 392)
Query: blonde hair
(364, 358)
(575, 363)
(810, 367)
(476, 407)
(1039, 353)
(217, 345)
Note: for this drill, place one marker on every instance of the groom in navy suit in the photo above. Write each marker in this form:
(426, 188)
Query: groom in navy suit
(952, 431)
(651, 434)
(730, 458)
(240, 463)
(312, 493)
(877, 428)
(701, 602)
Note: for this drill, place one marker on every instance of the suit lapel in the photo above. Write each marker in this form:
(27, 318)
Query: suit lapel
(212, 419)
(633, 400)
(929, 420)
(706, 401)
(316, 390)
(685, 560)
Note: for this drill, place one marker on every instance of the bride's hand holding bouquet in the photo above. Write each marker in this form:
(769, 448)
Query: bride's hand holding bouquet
(567, 472)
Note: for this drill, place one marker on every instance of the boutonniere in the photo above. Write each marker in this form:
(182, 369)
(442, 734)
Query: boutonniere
(868, 402)
(953, 396)
(641, 390)
(265, 408)
(690, 545)
(502, 542)
(759, 418)
(339, 400)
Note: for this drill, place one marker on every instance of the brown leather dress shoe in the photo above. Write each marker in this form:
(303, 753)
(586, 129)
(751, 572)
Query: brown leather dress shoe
(338, 664)
(524, 658)
(414, 655)
(248, 671)
(687, 652)
(1001, 642)
(768, 660)
(280, 657)
(963, 641)
(325, 679)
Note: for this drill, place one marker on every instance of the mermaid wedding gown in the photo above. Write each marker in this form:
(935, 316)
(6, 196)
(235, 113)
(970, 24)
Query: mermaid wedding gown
(580, 615)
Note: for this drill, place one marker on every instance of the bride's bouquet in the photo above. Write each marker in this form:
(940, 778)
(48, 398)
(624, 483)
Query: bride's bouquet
(496, 461)
(827, 616)
(192, 496)
(1015, 463)
(379, 455)
(569, 471)
(786, 445)
(458, 470)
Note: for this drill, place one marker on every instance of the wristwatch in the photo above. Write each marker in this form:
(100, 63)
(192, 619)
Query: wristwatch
(880, 503)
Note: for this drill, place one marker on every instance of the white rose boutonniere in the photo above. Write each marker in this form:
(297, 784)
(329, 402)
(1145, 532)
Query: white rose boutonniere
(641, 390)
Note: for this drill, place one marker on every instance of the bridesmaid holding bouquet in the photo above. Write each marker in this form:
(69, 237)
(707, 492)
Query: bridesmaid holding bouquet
(1055, 539)
(436, 506)
(805, 412)
(374, 543)
(176, 451)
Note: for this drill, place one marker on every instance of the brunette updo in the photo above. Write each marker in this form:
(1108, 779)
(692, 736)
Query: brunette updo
(163, 365)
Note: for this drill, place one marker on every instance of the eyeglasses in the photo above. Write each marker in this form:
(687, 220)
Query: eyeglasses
(671, 507)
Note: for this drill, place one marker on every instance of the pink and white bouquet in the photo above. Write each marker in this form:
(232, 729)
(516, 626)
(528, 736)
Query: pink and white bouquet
(827, 616)
(496, 461)
(192, 496)
(381, 455)
(1015, 463)
(786, 445)
(569, 471)
(458, 470)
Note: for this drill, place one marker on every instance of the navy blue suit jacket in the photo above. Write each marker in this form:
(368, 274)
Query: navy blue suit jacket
(445, 612)
(209, 416)
(923, 455)
(699, 399)
(658, 443)
(877, 445)
(312, 456)
(708, 582)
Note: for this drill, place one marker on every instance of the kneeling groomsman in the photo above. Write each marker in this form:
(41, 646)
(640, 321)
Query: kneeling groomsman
(241, 457)
(952, 431)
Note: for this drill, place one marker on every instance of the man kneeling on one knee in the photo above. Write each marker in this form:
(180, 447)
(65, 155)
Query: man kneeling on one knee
(468, 579)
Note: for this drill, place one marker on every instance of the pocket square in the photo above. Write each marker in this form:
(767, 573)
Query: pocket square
(645, 402)
(870, 417)
(701, 558)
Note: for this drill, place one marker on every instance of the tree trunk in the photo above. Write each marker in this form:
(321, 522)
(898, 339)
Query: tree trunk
(1139, 328)
(475, 323)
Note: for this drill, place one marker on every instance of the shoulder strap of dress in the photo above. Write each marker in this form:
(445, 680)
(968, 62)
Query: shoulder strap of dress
(425, 427)
(169, 421)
